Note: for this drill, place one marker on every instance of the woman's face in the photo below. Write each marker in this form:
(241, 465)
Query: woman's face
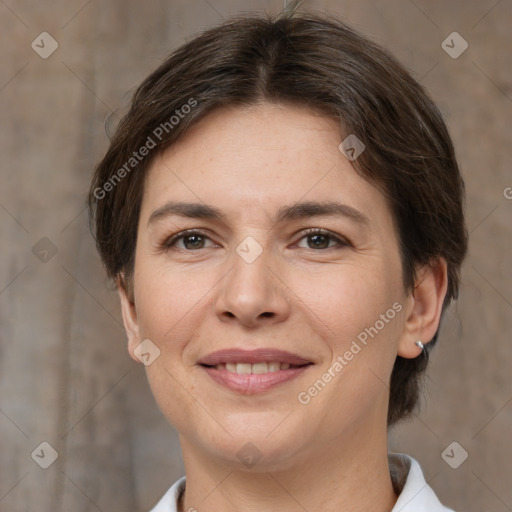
(255, 285)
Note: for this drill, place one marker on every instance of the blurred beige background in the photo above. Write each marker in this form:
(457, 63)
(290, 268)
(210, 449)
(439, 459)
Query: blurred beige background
(65, 375)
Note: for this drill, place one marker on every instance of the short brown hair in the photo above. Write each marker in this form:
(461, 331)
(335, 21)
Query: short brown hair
(307, 60)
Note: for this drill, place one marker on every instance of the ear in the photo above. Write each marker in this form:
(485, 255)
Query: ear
(129, 312)
(424, 309)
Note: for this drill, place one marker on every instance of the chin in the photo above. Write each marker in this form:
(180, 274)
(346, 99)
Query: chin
(261, 449)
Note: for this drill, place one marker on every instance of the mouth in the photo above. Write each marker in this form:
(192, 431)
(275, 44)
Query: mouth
(256, 368)
(253, 371)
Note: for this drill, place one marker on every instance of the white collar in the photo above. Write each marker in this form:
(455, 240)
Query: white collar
(415, 495)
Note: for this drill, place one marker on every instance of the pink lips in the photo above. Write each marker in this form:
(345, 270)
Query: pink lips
(260, 355)
(252, 383)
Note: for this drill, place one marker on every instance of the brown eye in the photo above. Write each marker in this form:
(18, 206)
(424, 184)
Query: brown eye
(191, 240)
(320, 239)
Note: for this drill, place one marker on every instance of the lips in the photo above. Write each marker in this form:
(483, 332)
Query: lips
(253, 371)
(262, 355)
(258, 368)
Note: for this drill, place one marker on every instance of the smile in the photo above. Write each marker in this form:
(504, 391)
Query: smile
(258, 368)
(253, 371)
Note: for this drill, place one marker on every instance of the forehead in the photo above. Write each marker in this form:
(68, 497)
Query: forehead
(250, 161)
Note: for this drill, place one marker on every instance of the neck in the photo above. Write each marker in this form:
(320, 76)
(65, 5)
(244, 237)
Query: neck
(352, 477)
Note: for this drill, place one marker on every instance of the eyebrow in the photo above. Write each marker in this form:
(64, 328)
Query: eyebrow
(292, 212)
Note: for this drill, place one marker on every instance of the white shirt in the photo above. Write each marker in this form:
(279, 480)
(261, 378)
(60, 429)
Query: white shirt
(415, 495)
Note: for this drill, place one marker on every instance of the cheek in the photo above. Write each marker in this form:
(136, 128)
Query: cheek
(359, 316)
(166, 300)
(175, 396)
(343, 301)
(358, 312)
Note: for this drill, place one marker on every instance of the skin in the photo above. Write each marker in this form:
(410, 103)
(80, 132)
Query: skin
(330, 454)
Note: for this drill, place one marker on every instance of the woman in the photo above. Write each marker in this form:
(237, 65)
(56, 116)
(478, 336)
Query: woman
(282, 213)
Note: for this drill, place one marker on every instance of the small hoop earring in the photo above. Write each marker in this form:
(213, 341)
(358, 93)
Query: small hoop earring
(420, 344)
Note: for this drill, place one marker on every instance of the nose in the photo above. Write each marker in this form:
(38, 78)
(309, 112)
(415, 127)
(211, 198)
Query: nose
(252, 293)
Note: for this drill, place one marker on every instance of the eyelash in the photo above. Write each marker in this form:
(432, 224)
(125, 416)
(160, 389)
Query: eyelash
(169, 243)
